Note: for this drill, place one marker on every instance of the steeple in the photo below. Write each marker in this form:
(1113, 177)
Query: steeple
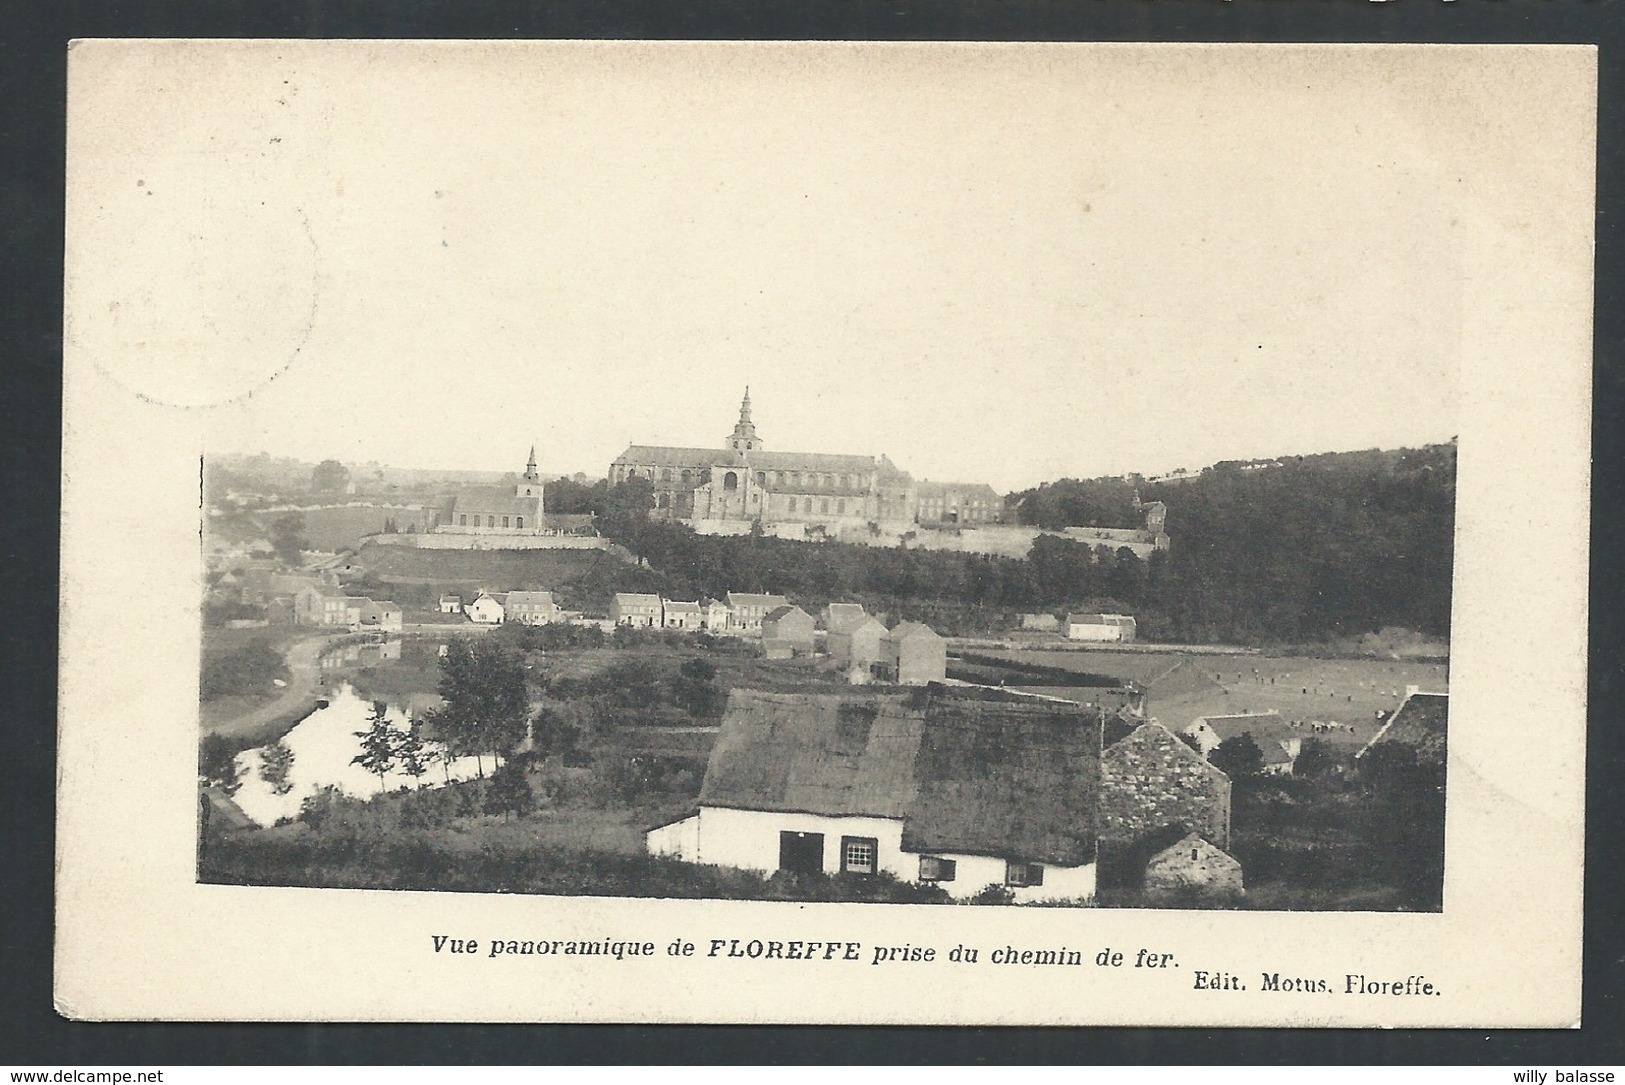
(744, 437)
(530, 483)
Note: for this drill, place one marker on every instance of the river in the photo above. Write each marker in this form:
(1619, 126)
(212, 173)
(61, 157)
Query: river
(324, 745)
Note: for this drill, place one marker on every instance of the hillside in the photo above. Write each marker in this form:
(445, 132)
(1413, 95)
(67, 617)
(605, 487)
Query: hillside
(580, 579)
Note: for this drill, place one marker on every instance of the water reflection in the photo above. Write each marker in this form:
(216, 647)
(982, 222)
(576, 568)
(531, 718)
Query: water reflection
(323, 746)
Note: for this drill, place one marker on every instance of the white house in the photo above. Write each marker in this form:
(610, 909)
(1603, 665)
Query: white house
(716, 615)
(1101, 627)
(680, 615)
(961, 788)
(451, 604)
(487, 609)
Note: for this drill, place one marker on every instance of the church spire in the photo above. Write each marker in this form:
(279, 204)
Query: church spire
(744, 437)
(530, 464)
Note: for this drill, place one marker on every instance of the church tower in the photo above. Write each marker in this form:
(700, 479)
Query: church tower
(744, 437)
(530, 483)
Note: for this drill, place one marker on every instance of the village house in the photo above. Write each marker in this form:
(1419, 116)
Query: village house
(746, 610)
(858, 644)
(1275, 739)
(1100, 627)
(530, 607)
(680, 615)
(636, 609)
(912, 654)
(788, 627)
(381, 617)
(486, 609)
(451, 604)
(961, 789)
(715, 613)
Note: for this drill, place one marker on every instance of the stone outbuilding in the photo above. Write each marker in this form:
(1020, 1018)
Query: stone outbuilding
(912, 654)
(1151, 779)
(1193, 870)
(788, 627)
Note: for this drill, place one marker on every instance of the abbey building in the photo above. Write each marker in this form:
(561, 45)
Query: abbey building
(744, 483)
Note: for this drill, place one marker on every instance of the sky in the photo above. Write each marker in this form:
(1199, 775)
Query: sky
(991, 263)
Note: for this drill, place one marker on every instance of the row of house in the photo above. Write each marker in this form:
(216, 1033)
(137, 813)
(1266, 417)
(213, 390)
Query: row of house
(328, 606)
(488, 608)
(737, 613)
(960, 787)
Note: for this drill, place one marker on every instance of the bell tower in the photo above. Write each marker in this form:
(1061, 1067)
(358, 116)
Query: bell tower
(530, 483)
(744, 437)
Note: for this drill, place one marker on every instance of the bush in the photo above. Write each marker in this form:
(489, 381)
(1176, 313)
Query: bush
(993, 893)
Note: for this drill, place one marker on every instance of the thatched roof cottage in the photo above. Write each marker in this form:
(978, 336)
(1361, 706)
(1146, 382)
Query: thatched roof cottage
(958, 787)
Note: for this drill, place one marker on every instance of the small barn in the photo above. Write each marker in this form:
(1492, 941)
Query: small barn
(858, 645)
(788, 627)
(451, 604)
(1275, 738)
(912, 654)
(1192, 871)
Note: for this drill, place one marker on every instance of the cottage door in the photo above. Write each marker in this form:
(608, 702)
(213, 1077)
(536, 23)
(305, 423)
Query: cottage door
(801, 853)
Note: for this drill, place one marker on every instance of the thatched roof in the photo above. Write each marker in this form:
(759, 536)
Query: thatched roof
(967, 772)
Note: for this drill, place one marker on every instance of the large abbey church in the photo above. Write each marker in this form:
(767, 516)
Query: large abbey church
(746, 483)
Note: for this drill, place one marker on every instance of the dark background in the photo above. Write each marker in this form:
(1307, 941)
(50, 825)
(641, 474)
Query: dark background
(33, 41)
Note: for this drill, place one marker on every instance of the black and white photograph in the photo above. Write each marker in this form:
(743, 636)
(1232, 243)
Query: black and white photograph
(1008, 481)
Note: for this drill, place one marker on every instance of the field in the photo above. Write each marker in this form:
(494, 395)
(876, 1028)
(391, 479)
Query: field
(1183, 686)
(580, 579)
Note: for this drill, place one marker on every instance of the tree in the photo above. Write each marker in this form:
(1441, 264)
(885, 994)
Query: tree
(288, 538)
(412, 752)
(509, 791)
(487, 705)
(276, 762)
(217, 763)
(695, 689)
(1238, 757)
(377, 743)
(1317, 757)
(330, 476)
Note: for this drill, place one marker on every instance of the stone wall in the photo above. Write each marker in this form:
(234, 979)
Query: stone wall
(1151, 779)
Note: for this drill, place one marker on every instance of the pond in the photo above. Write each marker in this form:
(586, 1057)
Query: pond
(324, 745)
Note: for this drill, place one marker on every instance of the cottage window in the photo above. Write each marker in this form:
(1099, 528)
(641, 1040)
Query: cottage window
(462, 521)
(823, 505)
(687, 476)
(730, 481)
(504, 521)
(792, 504)
(761, 478)
(1023, 874)
(933, 869)
(490, 521)
(665, 475)
(840, 506)
(858, 854)
(520, 522)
